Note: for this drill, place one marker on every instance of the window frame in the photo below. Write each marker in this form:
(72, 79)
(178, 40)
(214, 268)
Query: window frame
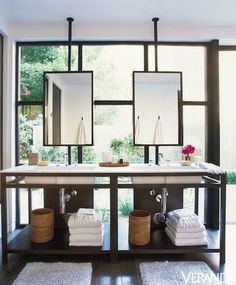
(80, 45)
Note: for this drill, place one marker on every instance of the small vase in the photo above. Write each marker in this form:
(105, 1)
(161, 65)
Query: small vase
(187, 157)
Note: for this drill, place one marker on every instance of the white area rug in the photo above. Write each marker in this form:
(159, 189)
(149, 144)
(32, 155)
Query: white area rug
(177, 273)
(59, 273)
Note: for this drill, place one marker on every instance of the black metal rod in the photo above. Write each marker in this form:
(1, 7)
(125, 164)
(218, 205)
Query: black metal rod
(222, 217)
(157, 155)
(113, 102)
(146, 154)
(29, 204)
(70, 20)
(4, 218)
(155, 20)
(69, 154)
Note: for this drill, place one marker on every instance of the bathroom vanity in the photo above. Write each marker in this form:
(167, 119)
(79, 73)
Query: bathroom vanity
(142, 178)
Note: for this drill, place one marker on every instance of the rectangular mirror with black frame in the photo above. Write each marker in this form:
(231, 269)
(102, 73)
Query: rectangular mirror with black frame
(68, 108)
(157, 115)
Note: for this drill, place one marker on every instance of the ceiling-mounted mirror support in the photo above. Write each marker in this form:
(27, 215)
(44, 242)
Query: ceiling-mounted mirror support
(156, 20)
(70, 21)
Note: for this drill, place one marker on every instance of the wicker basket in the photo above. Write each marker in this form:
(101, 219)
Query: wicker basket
(42, 223)
(139, 227)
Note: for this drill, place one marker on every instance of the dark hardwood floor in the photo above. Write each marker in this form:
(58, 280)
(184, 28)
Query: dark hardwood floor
(126, 271)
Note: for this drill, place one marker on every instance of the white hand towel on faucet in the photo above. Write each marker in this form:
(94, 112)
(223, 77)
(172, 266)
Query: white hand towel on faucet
(92, 230)
(179, 229)
(84, 221)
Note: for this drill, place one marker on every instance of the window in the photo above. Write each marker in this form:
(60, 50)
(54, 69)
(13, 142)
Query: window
(191, 60)
(227, 66)
(188, 59)
(33, 60)
(113, 67)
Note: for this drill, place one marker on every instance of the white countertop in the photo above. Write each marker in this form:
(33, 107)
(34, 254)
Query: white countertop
(96, 169)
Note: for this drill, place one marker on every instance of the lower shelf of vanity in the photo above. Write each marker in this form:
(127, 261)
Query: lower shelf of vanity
(59, 245)
(160, 243)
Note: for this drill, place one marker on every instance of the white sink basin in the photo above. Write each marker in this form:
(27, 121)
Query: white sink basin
(61, 179)
(155, 167)
(163, 178)
(60, 168)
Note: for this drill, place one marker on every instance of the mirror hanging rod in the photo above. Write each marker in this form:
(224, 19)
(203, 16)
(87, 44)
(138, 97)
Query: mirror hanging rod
(155, 20)
(70, 20)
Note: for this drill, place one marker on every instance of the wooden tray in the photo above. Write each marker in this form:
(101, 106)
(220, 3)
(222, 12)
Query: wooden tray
(113, 164)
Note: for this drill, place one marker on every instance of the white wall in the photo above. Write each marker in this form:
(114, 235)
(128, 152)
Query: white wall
(8, 103)
(75, 105)
(151, 101)
(124, 31)
(52, 79)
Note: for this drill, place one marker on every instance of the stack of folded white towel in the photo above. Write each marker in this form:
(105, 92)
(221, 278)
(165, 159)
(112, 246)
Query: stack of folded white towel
(85, 228)
(185, 229)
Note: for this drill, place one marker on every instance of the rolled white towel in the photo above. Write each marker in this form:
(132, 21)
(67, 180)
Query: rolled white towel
(186, 235)
(86, 211)
(215, 169)
(86, 238)
(84, 221)
(85, 243)
(186, 242)
(92, 230)
(179, 229)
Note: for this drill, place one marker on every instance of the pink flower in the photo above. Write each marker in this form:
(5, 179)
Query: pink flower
(27, 92)
(186, 150)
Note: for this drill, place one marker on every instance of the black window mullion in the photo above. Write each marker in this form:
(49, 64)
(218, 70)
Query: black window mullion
(30, 103)
(80, 68)
(1, 101)
(17, 139)
(145, 54)
(113, 102)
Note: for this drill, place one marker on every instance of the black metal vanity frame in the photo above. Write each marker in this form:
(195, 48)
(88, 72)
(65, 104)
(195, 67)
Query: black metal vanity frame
(160, 243)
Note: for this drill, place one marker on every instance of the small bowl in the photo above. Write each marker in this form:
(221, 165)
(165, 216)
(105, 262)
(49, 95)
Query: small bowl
(186, 162)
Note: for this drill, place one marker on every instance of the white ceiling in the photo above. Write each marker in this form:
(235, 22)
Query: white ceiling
(213, 17)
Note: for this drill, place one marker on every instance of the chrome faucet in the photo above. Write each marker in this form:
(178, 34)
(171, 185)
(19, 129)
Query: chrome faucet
(159, 218)
(66, 159)
(63, 198)
(160, 157)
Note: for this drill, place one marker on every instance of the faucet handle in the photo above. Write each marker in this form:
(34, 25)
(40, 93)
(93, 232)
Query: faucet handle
(152, 192)
(74, 192)
(158, 198)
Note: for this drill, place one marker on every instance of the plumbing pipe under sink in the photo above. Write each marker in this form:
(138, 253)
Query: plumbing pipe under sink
(159, 218)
